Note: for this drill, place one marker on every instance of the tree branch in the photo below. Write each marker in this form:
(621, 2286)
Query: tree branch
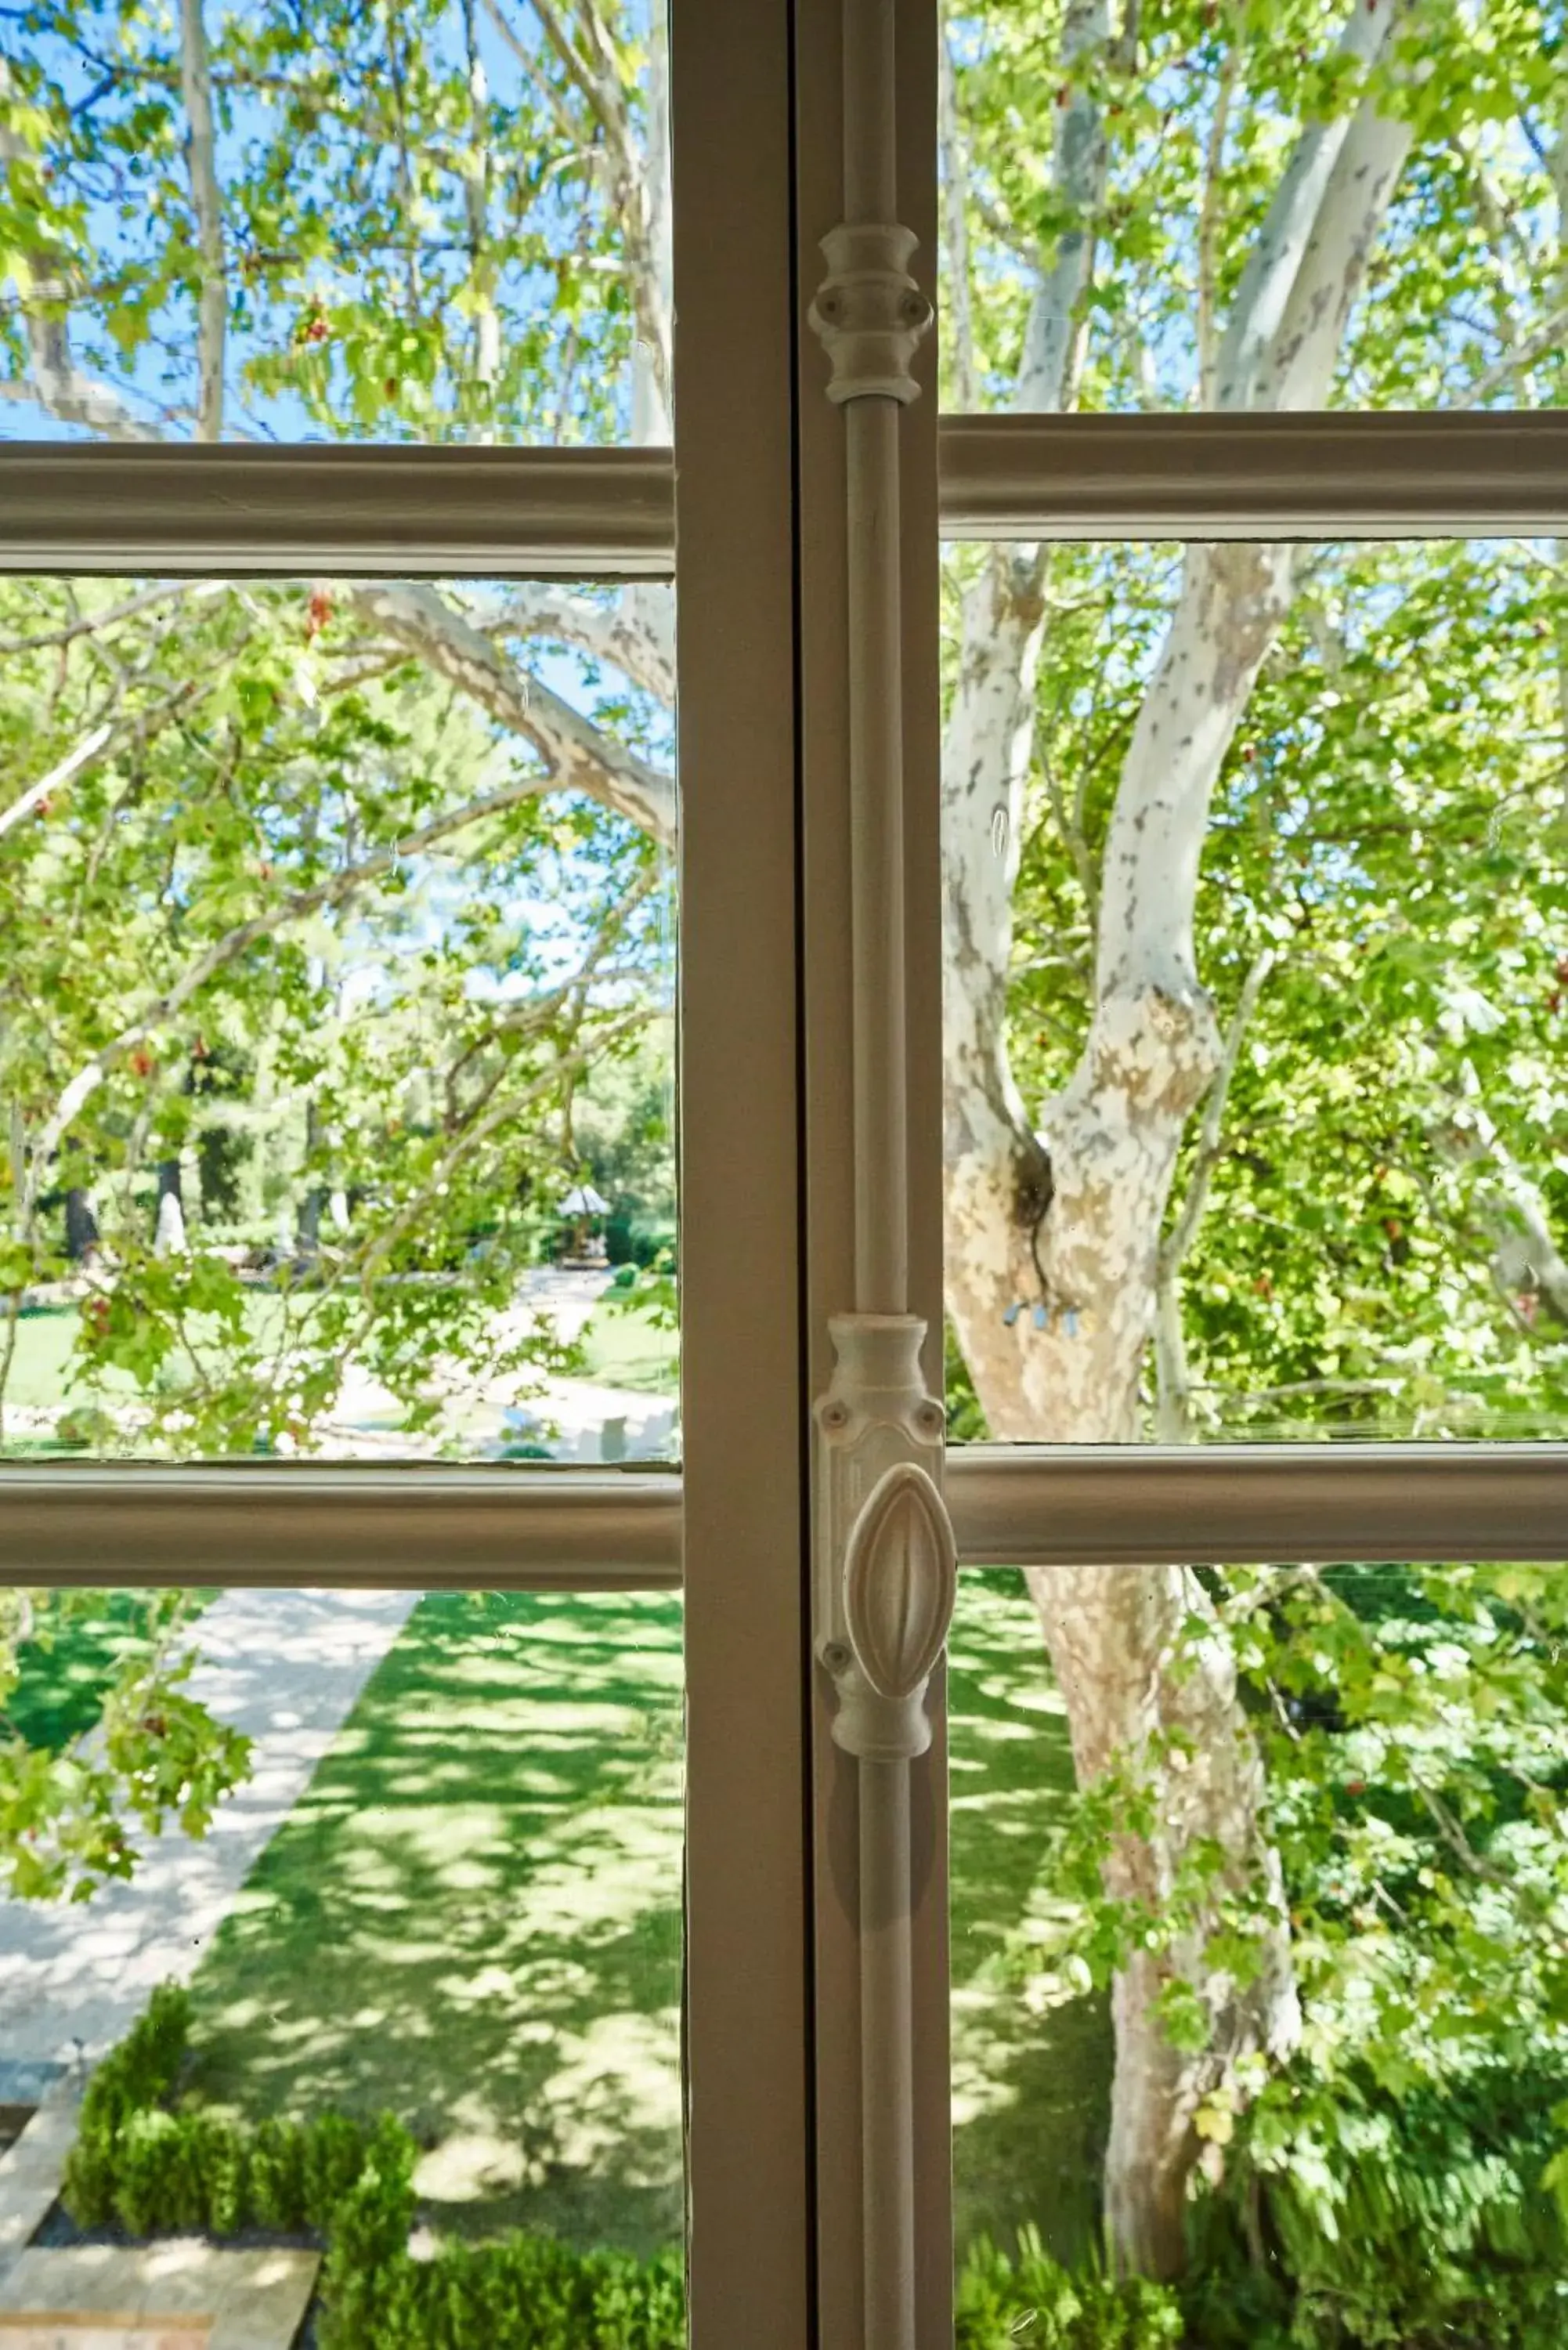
(1174, 1405)
(233, 943)
(496, 1113)
(1517, 1214)
(1298, 367)
(580, 755)
(1545, 338)
(1209, 223)
(55, 382)
(604, 103)
(85, 750)
(93, 624)
(636, 638)
(1051, 334)
(1272, 266)
(1459, 1844)
(200, 149)
(960, 320)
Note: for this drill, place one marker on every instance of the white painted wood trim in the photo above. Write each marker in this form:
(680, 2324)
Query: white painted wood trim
(748, 2029)
(426, 1529)
(548, 512)
(1021, 1505)
(1151, 1505)
(1253, 476)
(610, 513)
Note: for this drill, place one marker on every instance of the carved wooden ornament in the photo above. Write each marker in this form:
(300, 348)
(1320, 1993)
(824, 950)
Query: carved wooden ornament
(900, 1577)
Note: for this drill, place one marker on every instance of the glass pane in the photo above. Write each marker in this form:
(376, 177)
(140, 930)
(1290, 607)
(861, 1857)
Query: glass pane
(398, 1882)
(434, 222)
(337, 1044)
(1264, 2017)
(1257, 984)
(1344, 205)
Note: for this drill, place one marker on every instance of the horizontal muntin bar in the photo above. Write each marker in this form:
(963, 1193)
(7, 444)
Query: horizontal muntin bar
(437, 1527)
(1375, 475)
(417, 1528)
(610, 513)
(1155, 1505)
(526, 512)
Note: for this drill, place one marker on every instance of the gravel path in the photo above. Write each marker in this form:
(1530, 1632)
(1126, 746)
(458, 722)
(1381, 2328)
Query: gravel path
(285, 1667)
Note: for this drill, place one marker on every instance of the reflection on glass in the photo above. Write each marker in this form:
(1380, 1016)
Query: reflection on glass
(336, 1020)
(1338, 204)
(1257, 993)
(400, 1857)
(1267, 2014)
(431, 224)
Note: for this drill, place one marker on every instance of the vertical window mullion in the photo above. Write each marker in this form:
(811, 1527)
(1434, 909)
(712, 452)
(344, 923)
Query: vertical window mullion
(743, 1401)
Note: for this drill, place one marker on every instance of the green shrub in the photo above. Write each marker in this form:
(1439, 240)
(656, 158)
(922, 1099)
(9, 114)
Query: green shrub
(1356, 2219)
(155, 2171)
(1032, 2302)
(160, 2172)
(132, 2080)
(142, 2070)
(528, 2292)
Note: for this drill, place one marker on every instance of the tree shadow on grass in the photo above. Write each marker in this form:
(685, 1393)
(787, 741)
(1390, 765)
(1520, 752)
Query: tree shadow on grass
(1032, 2059)
(473, 1919)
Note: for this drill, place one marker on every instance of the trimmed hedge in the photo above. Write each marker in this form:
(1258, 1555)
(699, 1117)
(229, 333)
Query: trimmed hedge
(155, 2171)
(139, 2165)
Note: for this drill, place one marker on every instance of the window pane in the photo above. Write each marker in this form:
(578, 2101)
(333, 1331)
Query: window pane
(1257, 977)
(1314, 206)
(1269, 2009)
(336, 1041)
(429, 224)
(440, 1883)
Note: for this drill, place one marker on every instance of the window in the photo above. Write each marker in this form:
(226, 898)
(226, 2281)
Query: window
(661, 820)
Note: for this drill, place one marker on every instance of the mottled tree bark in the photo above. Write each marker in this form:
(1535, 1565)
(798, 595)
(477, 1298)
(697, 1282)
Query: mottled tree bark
(1063, 1208)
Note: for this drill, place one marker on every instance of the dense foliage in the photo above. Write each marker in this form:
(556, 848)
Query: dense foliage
(1384, 923)
(1027, 2296)
(71, 1806)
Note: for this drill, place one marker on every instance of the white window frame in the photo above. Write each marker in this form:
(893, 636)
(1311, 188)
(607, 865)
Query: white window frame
(774, 2026)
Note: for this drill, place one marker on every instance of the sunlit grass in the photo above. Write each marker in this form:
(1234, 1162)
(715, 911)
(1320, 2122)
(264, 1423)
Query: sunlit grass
(473, 1919)
(623, 1347)
(1031, 2060)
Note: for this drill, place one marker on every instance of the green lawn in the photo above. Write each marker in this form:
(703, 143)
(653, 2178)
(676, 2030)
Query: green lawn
(473, 1917)
(622, 1348)
(61, 1685)
(40, 1365)
(1031, 2061)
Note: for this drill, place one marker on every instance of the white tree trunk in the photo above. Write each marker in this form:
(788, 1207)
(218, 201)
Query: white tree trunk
(1068, 1220)
(1053, 1230)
